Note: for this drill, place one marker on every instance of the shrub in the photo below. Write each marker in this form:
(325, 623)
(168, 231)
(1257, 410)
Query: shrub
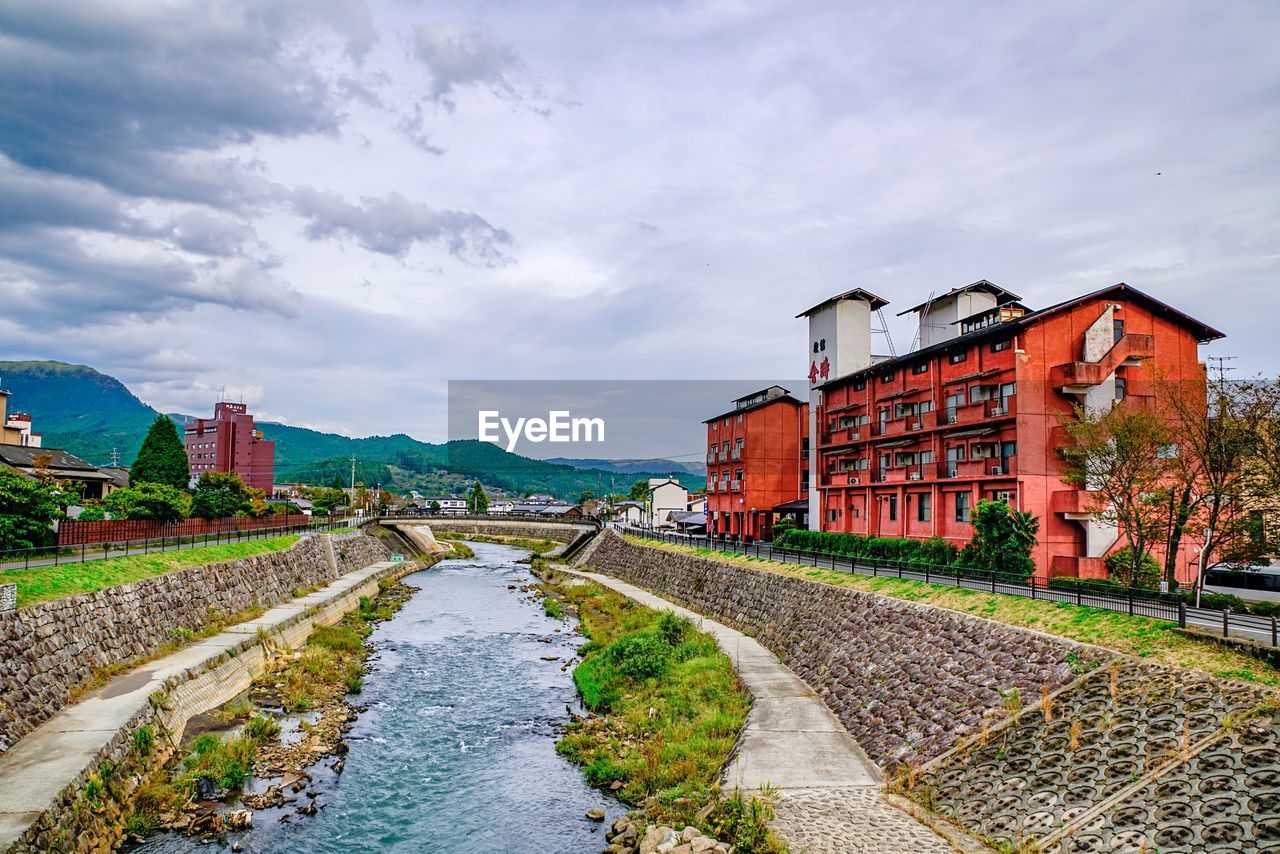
(673, 628)
(262, 728)
(1002, 541)
(1120, 568)
(1265, 609)
(743, 821)
(640, 655)
(553, 608)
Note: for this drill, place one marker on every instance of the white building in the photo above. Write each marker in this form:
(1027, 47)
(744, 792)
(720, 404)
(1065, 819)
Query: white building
(665, 494)
(448, 503)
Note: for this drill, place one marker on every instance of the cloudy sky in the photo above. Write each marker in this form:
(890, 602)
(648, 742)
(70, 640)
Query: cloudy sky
(331, 208)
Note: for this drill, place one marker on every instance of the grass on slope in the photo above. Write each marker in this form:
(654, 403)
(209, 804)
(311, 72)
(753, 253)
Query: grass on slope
(1153, 640)
(41, 584)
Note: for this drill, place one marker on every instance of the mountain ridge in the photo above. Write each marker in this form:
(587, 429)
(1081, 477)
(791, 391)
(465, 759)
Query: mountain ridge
(95, 416)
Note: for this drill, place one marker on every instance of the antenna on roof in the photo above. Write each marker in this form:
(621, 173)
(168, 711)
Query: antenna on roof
(915, 342)
(883, 329)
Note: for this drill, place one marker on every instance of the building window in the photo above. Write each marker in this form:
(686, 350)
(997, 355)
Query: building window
(893, 508)
(1168, 452)
(962, 507)
(1005, 495)
(920, 368)
(924, 507)
(1002, 344)
(1117, 330)
(1122, 388)
(859, 385)
(958, 356)
(831, 515)
(886, 378)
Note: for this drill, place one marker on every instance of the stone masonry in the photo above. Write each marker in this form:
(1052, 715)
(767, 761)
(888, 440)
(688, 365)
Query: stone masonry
(50, 648)
(906, 680)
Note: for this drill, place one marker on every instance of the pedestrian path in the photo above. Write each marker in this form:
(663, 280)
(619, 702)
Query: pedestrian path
(829, 792)
(51, 757)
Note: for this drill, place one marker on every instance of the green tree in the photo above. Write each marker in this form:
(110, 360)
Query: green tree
(162, 457)
(27, 511)
(478, 500)
(220, 494)
(585, 496)
(149, 501)
(326, 497)
(1120, 456)
(434, 507)
(640, 490)
(1002, 540)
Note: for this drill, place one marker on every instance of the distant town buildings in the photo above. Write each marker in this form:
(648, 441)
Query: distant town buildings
(60, 467)
(665, 495)
(229, 442)
(15, 428)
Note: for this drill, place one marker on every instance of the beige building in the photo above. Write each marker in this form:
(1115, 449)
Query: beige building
(8, 435)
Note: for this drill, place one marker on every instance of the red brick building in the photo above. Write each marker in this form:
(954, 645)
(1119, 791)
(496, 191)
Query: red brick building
(229, 442)
(907, 446)
(757, 461)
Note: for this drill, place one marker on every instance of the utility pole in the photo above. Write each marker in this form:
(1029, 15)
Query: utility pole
(115, 458)
(1219, 364)
(353, 474)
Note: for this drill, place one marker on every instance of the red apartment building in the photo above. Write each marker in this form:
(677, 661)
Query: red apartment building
(229, 442)
(907, 446)
(757, 463)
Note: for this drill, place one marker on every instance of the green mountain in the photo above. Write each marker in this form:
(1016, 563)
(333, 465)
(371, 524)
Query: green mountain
(88, 414)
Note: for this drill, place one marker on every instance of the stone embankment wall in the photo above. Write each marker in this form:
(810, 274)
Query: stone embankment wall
(50, 648)
(906, 680)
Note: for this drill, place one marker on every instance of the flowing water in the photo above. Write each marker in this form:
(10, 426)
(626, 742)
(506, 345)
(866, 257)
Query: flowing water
(456, 752)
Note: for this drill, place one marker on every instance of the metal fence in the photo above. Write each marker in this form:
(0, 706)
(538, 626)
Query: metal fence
(1121, 600)
(12, 559)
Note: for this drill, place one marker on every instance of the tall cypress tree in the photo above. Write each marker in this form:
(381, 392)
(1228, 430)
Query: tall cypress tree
(162, 457)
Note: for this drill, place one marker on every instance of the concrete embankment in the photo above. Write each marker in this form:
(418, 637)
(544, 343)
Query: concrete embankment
(44, 777)
(1025, 740)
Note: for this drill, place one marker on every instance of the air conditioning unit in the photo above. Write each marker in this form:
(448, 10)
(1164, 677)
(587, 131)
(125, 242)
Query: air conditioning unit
(855, 481)
(997, 469)
(915, 475)
(855, 435)
(998, 410)
(916, 425)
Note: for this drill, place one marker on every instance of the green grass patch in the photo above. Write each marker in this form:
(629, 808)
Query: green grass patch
(40, 584)
(1154, 640)
(668, 709)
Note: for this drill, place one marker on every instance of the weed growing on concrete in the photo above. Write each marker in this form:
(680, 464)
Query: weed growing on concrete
(1012, 699)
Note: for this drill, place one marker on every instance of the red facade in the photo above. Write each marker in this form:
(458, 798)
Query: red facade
(229, 442)
(909, 446)
(757, 459)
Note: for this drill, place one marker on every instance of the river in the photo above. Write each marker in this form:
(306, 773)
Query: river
(456, 752)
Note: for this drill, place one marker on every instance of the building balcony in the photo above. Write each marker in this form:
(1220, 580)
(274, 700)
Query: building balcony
(843, 478)
(1073, 503)
(735, 454)
(1069, 566)
(711, 456)
(735, 486)
(1076, 377)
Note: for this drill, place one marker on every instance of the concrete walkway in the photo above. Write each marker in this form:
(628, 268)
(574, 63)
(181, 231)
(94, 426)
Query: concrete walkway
(54, 755)
(829, 791)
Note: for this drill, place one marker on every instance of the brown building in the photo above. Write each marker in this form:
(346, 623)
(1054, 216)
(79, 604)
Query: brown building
(229, 442)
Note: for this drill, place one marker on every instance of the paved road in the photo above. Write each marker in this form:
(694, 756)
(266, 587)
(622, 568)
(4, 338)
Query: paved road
(1257, 628)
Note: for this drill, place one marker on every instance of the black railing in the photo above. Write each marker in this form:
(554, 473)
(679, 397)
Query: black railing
(1130, 601)
(11, 559)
